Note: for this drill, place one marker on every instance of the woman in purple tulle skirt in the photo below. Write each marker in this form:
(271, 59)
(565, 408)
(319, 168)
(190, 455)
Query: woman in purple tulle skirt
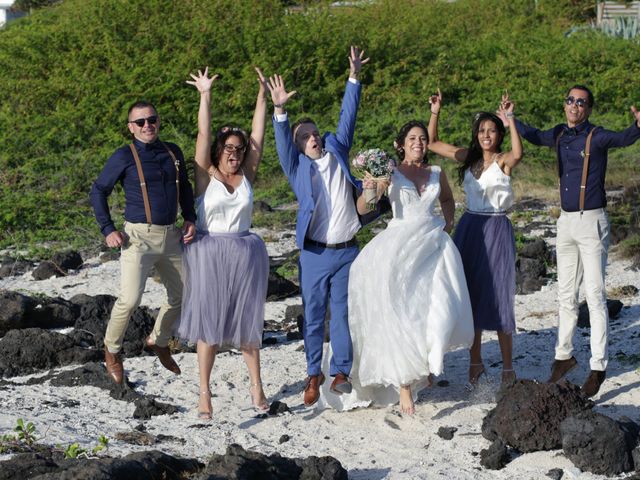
(484, 234)
(226, 268)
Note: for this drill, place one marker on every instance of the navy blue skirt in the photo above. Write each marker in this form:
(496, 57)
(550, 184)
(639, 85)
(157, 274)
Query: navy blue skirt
(488, 250)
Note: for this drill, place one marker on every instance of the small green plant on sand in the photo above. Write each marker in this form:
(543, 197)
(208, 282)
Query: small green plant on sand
(26, 432)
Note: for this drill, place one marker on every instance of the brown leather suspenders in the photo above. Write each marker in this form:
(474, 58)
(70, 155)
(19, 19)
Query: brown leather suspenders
(585, 168)
(143, 184)
(585, 165)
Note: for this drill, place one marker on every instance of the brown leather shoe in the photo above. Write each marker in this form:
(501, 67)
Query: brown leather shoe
(340, 384)
(594, 381)
(164, 355)
(560, 368)
(115, 368)
(312, 389)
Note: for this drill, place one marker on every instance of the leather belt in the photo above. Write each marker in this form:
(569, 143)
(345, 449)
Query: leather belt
(336, 246)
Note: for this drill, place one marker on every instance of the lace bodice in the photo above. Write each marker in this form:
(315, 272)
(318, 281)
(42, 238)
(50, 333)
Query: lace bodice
(409, 205)
(491, 192)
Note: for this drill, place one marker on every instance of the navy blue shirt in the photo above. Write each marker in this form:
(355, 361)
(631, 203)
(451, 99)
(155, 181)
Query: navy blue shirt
(160, 176)
(571, 158)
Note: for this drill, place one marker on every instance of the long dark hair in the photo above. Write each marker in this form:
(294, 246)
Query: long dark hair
(402, 135)
(475, 151)
(221, 138)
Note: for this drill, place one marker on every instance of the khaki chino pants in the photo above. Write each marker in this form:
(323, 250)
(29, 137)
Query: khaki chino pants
(581, 252)
(147, 246)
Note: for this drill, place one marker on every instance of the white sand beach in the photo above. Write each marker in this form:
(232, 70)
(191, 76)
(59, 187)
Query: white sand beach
(372, 443)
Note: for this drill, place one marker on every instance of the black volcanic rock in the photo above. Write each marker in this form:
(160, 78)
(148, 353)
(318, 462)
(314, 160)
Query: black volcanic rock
(94, 316)
(238, 463)
(530, 274)
(46, 270)
(149, 465)
(69, 260)
(147, 407)
(599, 444)
(10, 267)
(613, 306)
(528, 414)
(496, 456)
(279, 287)
(22, 311)
(26, 351)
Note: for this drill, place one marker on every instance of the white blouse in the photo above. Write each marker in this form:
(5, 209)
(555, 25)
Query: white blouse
(219, 211)
(491, 193)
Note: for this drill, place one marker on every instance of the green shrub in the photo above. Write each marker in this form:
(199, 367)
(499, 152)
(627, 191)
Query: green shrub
(68, 73)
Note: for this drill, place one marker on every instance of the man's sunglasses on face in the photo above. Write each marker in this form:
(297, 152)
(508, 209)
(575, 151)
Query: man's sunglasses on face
(580, 102)
(152, 120)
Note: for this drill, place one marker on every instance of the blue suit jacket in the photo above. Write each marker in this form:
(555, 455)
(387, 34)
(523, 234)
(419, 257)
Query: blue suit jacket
(297, 166)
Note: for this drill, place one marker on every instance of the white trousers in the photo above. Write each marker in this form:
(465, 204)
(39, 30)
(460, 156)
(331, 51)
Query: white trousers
(581, 253)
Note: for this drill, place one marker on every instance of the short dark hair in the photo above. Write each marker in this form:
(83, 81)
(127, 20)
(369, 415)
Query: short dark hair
(584, 89)
(402, 135)
(299, 122)
(220, 139)
(141, 104)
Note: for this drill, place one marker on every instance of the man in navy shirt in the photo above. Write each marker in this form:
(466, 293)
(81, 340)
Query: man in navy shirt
(583, 226)
(155, 183)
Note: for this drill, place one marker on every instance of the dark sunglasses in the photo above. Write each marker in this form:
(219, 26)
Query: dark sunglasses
(153, 119)
(580, 102)
(230, 148)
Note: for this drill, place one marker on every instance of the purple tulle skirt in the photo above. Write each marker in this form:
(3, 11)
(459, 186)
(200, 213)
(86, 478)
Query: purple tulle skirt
(225, 288)
(487, 247)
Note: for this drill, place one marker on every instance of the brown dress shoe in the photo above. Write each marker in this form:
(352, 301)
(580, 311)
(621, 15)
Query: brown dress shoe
(312, 389)
(115, 368)
(340, 384)
(164, 355)
(560, 368)
(592, 384)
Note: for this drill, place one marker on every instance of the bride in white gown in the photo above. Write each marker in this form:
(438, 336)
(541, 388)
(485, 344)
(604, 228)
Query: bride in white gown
(408, 298)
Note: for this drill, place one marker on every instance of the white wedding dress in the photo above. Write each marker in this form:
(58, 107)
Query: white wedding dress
(408, 301)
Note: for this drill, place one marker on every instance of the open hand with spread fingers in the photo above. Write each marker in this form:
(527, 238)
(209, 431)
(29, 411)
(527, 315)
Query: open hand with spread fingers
(279, 94)
(202, 81)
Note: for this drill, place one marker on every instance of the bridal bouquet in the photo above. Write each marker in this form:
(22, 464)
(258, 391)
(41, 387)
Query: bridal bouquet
(373, 161)
(376, 163)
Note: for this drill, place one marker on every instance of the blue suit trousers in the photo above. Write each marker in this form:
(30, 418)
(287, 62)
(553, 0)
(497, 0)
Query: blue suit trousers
(324, 278)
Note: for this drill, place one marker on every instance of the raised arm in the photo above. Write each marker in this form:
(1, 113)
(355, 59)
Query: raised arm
(287, 151)
(443, 149)
(624, 138)
(203, 142)
(351, 99)
(510, 159)
(256, 141)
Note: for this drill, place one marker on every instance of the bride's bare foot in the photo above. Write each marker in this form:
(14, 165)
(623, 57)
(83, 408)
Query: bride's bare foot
(406, 400)
(258, 398)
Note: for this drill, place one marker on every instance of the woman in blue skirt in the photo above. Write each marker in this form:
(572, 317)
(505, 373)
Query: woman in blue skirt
(484, 234)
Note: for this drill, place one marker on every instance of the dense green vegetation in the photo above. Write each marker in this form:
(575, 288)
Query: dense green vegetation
(68, 73)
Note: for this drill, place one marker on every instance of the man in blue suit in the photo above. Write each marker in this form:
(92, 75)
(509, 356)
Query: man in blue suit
(318, 171)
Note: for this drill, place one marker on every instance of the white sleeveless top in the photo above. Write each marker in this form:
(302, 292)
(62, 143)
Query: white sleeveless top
(219, 211)
(491, 193)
